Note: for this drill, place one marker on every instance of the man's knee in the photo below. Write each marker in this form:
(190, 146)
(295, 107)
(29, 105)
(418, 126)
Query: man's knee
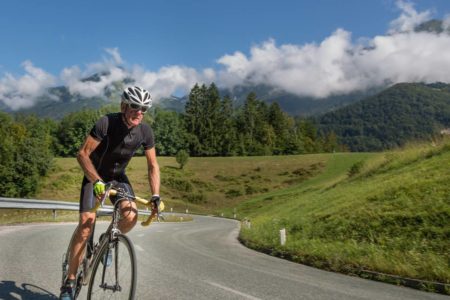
(129, 213)
(85, 225)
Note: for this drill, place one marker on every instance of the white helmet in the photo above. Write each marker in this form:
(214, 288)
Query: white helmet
(138, 96)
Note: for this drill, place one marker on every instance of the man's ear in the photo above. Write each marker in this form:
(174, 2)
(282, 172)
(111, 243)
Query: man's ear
(123, 107)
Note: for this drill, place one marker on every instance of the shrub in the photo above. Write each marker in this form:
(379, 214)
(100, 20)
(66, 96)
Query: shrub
(356, 168)
(233, 193)
(182, 158)
(196, 198)
(178, 184)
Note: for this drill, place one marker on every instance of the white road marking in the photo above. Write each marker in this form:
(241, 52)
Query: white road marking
(231, 290)
(140, 235)
(139, 248)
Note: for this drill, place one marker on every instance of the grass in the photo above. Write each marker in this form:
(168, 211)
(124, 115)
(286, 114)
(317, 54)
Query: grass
(393, 217)
(204, 185)
(20, 216)
(347, 212)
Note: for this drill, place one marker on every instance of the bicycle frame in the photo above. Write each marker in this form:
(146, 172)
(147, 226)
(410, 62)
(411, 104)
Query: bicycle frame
(109, 236)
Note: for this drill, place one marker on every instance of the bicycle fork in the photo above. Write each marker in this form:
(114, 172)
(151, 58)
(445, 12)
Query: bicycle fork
(114, 246)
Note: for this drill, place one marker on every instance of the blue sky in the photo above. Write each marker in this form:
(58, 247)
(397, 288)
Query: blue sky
(169, 45)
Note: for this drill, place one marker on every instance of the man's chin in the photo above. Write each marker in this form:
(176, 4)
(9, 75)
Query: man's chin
(135, 122)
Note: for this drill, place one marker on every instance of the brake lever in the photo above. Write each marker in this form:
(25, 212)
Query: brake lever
(107, 190)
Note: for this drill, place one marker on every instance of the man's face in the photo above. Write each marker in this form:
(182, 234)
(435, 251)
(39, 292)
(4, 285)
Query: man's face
(132, 116)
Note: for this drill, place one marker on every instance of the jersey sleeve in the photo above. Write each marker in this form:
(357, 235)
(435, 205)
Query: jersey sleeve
(148, 137)
(100, 129)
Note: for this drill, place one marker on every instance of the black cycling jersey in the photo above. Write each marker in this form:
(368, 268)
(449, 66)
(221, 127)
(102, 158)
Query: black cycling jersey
(118, 143)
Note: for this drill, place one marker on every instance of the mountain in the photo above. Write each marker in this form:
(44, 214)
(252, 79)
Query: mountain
(436, 26)
(293, 104)
(401, 113)
(60, 102)
(173, 103)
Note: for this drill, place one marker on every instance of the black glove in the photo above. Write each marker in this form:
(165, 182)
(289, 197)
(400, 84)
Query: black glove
(156, 200)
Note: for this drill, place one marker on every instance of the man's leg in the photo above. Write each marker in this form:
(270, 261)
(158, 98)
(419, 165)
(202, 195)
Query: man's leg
(77, 247)
(78, 243)
(128, 211)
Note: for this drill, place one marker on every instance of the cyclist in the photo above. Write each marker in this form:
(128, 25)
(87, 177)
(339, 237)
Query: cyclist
(103, 157)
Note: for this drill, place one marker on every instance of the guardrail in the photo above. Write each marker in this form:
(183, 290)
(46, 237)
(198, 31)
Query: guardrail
(51, 205)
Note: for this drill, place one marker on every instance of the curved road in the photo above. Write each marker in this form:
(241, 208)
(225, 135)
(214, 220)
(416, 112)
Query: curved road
(193, 260)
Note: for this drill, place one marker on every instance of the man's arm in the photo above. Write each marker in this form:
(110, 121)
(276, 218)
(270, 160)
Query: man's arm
(153, 170)
(85, 161)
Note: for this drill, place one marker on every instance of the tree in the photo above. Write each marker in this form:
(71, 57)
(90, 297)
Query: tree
(248, 120)
(211, 120)
(308, 135)
(182, 158)
(73, 130)
(202, 119)
(227, 128)
(170, 132)
(25, 154)
(192, 118)
(330, 143)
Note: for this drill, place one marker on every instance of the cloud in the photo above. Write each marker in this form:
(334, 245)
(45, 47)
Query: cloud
(336, 65)
(75, 80)
(310, 69)
(171, 79)
(108, 72)
(22, 92)
(409, 18)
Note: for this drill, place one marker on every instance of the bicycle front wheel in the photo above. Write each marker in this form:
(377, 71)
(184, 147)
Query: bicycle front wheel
(114, 271)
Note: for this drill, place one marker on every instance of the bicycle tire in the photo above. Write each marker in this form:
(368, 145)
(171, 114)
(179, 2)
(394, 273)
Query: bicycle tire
(103, 283)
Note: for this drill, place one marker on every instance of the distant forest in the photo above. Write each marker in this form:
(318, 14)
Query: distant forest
(402, 113)
(212, 126)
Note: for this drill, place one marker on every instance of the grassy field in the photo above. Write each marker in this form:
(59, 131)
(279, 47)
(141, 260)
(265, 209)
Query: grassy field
(385, 212)
(392, 216)
(211, 185)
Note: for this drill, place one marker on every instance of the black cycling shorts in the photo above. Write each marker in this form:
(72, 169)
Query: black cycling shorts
(88, 200)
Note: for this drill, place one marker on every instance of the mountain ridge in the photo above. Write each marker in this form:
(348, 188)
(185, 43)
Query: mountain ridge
(391, 118)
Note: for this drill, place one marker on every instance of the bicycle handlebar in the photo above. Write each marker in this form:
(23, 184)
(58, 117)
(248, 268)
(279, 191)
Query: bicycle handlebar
(149, 204)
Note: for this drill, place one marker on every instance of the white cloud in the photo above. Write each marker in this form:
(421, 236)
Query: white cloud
(171, 79)
(334, 66)
(74, 79)
(109, 71)
(409, 18)
(337, 65)
(446, 22)
(304, 70)
(22, 92)
(114, 52)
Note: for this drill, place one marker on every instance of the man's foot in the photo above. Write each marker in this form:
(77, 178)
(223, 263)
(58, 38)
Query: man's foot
(68, 290)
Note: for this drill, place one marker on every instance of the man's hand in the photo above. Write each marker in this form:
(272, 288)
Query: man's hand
(99, 188)
(155, 202)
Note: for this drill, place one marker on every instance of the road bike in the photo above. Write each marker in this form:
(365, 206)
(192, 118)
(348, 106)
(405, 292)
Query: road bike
(109, 265)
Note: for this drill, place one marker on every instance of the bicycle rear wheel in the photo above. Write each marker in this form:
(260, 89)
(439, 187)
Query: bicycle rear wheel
(116, 280)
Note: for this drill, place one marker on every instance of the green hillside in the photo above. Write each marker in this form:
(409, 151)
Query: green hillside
(385, 212)
(391, 216)
(403, 113)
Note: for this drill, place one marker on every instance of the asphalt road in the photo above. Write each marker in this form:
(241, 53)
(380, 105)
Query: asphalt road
(193, 260)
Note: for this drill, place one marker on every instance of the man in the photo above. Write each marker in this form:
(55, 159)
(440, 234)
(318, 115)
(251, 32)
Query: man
(103, 157)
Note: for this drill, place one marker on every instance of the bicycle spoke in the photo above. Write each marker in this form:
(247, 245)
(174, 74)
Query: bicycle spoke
(118, 279)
